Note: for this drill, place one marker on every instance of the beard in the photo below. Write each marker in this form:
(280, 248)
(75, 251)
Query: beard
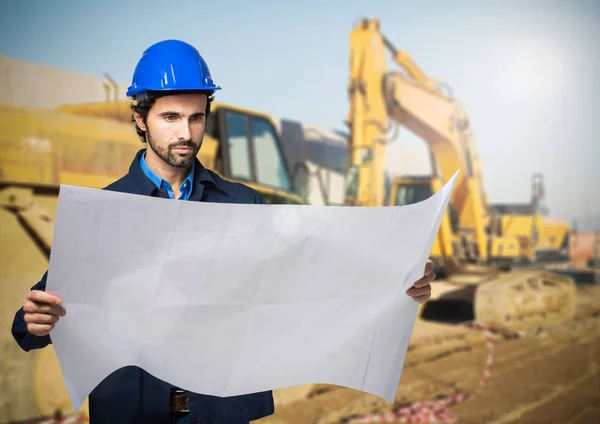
(174, 159)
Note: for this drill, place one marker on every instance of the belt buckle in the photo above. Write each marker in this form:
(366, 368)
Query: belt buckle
(179, 401)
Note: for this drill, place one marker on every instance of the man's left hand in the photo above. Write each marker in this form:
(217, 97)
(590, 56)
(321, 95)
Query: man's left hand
(421, 290)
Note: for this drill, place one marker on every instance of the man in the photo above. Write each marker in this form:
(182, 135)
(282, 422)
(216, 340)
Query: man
(172, 90)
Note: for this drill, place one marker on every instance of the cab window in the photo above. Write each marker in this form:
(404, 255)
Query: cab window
(270, 167)
(238, 146)
(252, 151)
(412, 193)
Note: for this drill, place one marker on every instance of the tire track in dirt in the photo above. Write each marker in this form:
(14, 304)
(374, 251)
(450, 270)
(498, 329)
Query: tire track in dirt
(526, 371)
(463, 371)
(527, 388)
(519, 413)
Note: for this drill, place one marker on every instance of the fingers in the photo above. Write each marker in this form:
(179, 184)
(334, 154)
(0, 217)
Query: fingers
(428, 267)
(41, 296)
(425, 280)
(40, 324)
(421, 299)
(41, 318)
(419, 291)
(31, 307)
(42, 311)
(40, 329)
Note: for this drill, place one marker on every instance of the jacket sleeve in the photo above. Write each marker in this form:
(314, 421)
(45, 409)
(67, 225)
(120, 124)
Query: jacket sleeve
(258, 199)
(26, 340)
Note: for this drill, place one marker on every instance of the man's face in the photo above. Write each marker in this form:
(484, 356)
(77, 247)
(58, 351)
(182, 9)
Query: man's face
(175, 128)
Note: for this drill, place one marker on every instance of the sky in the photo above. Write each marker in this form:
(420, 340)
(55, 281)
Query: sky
(525, 71)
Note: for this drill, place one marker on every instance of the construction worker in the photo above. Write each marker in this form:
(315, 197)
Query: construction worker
(172, 91)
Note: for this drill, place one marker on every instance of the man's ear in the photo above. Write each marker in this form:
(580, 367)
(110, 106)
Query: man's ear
(139, 121)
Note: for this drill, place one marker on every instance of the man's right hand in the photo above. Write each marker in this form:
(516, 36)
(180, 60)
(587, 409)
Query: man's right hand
(42, 311)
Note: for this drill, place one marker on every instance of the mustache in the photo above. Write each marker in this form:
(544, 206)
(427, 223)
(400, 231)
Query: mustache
(187, 143)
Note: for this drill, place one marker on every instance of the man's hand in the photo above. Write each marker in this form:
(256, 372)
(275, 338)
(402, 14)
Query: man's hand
(42, 312)
(421, 290)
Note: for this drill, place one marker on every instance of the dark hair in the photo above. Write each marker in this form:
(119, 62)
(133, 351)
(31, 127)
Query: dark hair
(143, 106)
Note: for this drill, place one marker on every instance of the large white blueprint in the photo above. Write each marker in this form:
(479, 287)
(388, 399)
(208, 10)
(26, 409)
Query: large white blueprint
(229, 299)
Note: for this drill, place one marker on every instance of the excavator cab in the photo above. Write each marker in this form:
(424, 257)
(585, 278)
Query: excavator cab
(408, 190)
(246, 148)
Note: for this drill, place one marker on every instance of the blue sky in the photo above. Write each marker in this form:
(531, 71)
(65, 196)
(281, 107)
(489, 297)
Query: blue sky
(526, 71)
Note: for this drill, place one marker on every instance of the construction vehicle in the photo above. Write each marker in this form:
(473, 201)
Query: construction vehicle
(470, 240)
(420, 104)
(544, 239)
(92, 145)
(448, 254)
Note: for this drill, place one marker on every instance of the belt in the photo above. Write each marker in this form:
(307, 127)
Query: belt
(179, 401)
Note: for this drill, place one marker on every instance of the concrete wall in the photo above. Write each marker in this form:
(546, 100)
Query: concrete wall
(30, 84)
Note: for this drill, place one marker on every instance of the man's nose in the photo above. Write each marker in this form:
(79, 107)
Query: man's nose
(184, 131)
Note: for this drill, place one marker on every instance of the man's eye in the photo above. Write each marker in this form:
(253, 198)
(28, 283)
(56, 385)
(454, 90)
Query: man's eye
(196, 118)
(170, 117)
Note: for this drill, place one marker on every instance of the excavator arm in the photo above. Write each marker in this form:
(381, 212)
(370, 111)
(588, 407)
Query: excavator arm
(367, 117)
(417, 102)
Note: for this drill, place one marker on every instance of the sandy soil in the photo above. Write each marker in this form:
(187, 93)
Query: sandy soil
(547, 375)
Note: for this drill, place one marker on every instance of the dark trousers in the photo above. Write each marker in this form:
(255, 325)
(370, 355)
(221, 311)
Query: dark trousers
(180, 418)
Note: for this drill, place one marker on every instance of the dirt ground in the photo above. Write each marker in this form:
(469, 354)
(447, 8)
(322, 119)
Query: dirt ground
(544, 375)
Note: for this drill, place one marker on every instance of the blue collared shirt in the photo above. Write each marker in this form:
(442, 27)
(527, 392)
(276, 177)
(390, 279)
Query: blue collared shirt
(186, 186)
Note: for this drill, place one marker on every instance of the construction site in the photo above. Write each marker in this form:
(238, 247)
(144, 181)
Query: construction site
(511, 333)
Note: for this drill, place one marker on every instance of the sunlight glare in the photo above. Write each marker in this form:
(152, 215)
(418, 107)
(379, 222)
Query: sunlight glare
(535, 71)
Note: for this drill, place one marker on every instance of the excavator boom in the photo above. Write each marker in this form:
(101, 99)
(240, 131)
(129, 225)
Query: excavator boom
(379, 97)
(437, 119)
(367, 117)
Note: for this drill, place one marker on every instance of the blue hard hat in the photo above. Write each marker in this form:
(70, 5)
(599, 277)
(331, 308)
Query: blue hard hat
(171, 65)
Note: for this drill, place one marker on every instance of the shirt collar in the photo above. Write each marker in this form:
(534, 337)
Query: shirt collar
(145, 184)
(162, 183)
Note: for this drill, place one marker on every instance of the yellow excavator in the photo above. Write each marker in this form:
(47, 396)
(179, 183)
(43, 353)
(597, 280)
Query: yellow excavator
(92, 145)
(470, 241)
(547, 238)
(378, 98)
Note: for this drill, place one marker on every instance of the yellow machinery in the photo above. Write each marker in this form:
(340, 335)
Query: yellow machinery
(547, 238)
(417, 102)
(92, 145)
(470, 237)
(448, 254)
(554, 240)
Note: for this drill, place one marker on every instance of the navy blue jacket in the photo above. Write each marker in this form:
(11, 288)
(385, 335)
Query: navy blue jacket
(131, 395)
